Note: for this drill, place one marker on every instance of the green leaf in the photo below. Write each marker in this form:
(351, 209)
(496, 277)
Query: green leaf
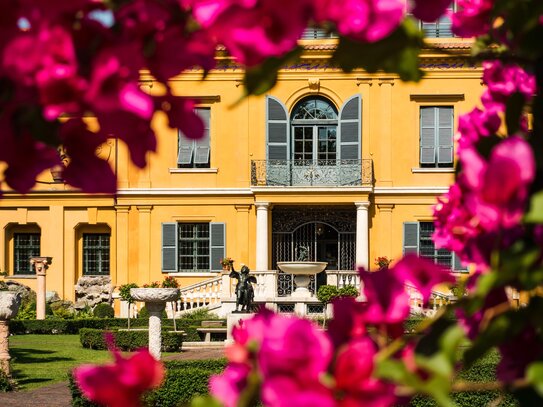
(398, 53)
(261, 78)
(205, 401)
(535, 214)
(534, 374)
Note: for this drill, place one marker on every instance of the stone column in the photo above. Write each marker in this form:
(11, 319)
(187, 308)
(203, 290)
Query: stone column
(41, 264)
(362, 234)
(155, 327)
(262, 235)
(4, 347)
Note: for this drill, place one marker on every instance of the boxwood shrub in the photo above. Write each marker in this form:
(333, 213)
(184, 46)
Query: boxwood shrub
(128, 340)
(72, 326)
(183, 381)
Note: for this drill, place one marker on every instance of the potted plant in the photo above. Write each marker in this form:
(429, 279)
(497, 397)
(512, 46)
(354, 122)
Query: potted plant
(382, 262)
(227, 263)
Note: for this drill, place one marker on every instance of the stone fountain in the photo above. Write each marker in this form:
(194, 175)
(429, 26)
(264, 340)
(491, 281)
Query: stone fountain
(155, 301)
(9, 306)
(302, 270)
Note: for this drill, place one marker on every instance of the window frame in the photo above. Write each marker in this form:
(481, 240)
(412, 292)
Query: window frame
(194, 239)
(100, 249)
(194, 147)
(16, 262)
(443, 19)
(437, 163)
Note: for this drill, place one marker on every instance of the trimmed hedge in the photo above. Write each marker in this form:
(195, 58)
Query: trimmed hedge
(184, 380)
(128, 340)
(103, 310)
(72, 326)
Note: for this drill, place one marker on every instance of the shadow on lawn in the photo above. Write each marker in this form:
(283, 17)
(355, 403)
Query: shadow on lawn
(23, 355)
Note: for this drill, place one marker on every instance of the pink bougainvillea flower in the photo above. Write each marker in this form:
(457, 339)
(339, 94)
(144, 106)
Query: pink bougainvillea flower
(85, 170)
(503, 80)
(387, 300)
(472, 17)
(254, 30)
(121, 383)
(362, 20)
(476, 124)
(487, 202)
(282, 391)
(228, 386)
(133, 130)
(430, 10)
(348, 321)
(517, 353)
(180, 112)
(353, 375)
(472, 323)
(422, 273)
(295, 348)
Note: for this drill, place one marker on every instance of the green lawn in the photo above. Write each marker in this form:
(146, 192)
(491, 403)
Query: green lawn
(39, 360)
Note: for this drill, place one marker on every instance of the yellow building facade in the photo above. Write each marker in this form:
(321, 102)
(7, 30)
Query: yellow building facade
(342, 166)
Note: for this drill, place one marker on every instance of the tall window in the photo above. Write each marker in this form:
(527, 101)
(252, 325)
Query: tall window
(440, 28)
(25, 246)
(436, 136)
(195, 153)
(314, 128)
(193, 246)
(95, 254)
(417, 238)
(428, 249)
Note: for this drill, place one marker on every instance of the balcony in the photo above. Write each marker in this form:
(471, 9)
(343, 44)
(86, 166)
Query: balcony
(322, 173)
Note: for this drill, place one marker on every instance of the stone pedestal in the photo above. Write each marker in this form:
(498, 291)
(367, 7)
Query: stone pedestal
(41, 264)
(9, 306)
(155, 301)
(233, 320)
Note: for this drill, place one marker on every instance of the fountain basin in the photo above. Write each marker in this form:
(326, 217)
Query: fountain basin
(9, 304)
(301, 271)
(155, 294)
(302, 268)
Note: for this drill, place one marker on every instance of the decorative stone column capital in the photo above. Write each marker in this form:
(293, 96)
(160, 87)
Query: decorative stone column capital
(262, 206)
(41, 264)
(362, 205)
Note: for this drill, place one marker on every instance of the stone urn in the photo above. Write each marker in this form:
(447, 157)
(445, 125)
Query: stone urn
(301, 271)
(9, 307)
(155, 300)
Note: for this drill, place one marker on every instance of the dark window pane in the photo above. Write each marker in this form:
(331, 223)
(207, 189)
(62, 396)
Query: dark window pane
(25, 246)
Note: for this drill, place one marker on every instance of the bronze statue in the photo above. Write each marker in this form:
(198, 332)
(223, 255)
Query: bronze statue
(244, 290)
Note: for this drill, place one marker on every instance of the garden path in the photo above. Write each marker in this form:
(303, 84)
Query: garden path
(58, 395)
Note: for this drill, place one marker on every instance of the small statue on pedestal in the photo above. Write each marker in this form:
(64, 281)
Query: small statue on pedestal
(244, 290)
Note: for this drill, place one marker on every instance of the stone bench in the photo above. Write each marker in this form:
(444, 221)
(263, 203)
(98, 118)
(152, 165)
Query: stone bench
(209, 331)
(212, 324)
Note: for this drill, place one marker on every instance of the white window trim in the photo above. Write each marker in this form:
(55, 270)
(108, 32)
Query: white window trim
(432, 170)
(193, 170)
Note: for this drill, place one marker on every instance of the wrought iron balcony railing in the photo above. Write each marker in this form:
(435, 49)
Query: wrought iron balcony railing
(311, 172)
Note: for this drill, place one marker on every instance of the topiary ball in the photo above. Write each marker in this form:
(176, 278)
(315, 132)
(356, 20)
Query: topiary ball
(103, 310)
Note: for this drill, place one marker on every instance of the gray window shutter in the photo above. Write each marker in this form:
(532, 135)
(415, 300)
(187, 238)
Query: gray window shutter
(217, 251)
(201, 152)
(445, 135)
(184, 155)
(457, 264)
(410, 237)
(350, 129)
(169, 247)
(277, 130)
(428, 135)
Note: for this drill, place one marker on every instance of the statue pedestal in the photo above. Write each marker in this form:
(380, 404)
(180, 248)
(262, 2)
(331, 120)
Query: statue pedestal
(233, 320)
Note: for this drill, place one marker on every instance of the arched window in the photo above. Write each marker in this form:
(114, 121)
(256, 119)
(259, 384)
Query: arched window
(314, 122)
